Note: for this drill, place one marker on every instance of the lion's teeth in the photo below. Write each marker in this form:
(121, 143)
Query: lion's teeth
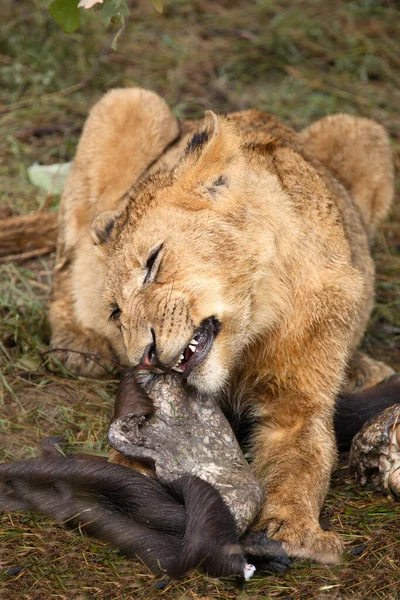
(181, 358)
(175, 368)
(194, 342)
(192, 347)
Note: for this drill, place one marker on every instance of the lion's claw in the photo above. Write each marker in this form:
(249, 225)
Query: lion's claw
(306, 541)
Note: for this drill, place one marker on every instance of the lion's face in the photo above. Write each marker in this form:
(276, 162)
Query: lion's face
(180, 274)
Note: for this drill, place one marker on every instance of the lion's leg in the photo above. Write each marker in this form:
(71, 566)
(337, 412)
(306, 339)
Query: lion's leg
(82, 350)
(125, 133)
(370, 387)
(357, 151)
(294, 446)
(364, 372)
(294, 453)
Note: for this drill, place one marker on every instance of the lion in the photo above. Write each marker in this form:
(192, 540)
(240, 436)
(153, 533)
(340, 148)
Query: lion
(235, 252)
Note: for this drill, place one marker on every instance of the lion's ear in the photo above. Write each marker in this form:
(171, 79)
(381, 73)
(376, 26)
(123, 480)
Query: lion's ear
(201, 138)
(213, 156)
(205, 137)
(211, 122)
(102, 228)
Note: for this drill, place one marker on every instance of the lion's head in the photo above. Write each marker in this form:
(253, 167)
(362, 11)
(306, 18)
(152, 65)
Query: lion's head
(183, 260)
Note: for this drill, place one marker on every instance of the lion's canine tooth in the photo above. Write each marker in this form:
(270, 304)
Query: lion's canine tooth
(192, 347)
(175, 368)
(194, 342)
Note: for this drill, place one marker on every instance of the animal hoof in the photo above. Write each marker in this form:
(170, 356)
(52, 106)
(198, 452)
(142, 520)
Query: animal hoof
(375, 452)
(268, 556)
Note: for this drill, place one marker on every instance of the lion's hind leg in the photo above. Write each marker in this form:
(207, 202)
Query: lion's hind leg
(364, 372)
(371, 386)
(357, 152)
(354, 409)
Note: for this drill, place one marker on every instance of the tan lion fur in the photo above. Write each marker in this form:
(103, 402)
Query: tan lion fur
(264, 228)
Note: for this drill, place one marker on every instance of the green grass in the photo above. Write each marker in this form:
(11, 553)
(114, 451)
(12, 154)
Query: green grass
(299, 59)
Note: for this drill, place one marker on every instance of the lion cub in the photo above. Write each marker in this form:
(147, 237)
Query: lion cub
(240, 260)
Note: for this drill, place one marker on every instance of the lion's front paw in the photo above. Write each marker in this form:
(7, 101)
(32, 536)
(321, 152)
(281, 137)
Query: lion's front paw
(305, 539)
(84, 353)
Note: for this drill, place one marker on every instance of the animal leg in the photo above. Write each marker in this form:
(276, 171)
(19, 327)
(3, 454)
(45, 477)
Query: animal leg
(357, 151)
(294, 453)
(171, 529)
(364, 372)
(354, 409)
(125, 133)
(82, 350)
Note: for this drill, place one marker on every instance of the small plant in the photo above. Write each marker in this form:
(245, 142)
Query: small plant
(67, 13)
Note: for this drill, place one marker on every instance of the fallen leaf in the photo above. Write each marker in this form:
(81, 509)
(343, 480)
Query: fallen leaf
(50, 178)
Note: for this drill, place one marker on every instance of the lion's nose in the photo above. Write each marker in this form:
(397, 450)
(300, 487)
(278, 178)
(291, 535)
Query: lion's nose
(149, 358)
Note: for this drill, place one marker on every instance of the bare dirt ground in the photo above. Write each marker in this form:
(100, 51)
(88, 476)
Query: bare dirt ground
(300, 60)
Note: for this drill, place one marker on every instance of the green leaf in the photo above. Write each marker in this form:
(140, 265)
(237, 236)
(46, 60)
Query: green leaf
(50, 178)
(66, 13)
(113, 11)
(158, 5)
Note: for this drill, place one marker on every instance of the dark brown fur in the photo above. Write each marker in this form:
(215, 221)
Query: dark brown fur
(171, 529)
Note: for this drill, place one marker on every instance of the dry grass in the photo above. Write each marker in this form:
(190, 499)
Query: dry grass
(300, 59)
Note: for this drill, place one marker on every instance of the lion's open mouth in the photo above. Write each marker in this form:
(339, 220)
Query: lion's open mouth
(198, 347)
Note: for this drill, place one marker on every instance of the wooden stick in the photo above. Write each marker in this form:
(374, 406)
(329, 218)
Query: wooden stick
(29, 236)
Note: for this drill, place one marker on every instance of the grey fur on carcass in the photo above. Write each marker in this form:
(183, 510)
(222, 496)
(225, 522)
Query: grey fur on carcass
(188, 434)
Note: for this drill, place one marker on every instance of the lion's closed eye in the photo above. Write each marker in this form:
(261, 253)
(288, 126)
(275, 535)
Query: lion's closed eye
(115, 313)
(153, 264)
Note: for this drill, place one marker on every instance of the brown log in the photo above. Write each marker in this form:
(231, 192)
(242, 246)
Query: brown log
(28, 236)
